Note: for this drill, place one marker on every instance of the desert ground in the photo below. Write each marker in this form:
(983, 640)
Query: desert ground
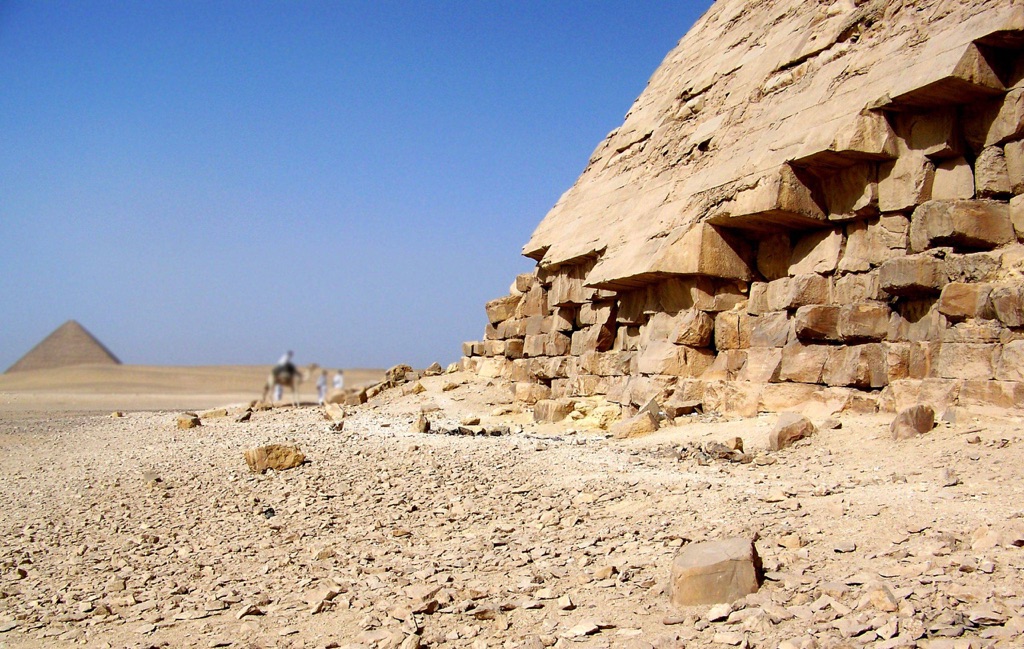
(130, 532)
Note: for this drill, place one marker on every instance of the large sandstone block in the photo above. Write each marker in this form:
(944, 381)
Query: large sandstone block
(772, 329)
(762, 365)
(864, 321)
(817, 323)
(661, 357)
(965, 225)
(966, 361)
(595, 313)
(1010, 366)
(999, 394)
(803, 363)
(534, 345)
(615, 363)
(502, 308)
(1008, 304)
(961, 300)
(794, 292)
(991, 175)
(551, 410)
(779, 198)
(567, 287)
(713, 572)
(595, 338)
(905, 182)
(534, 302)
(530, 393)
(817, 252)
(627, 339)
(706, 250)
(851, 192)
(935, 133)
(726, 366)
(913, 275)
(954, 180)
(996, 121)
(732, 330)
(693, 328)
(859, 366)
(1014, 154)
(643, 423)
(858, 288)
(916, 320)
(758, 302)
(773, 256)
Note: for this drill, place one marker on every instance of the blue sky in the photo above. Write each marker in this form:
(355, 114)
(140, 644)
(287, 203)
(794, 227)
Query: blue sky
(215, 182)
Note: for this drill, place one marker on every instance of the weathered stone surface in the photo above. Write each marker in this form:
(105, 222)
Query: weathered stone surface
(732, 330)
(913, 275)
(803, 363)
(817, 252)
(962, 300)
(966, 361)
(794, 292)
(954, 180)
(905, 182)
(1010, 366)
(864, 321)
(502, 308)
(789, 427)
(817, 323)
(773, 256)
(531, 393)
(1008, 304)
(693, 328)
(552, 410)
(859, 366)
(278, 457)
(713, 572)
(966, 225)
(188, 420)
(991, 176)
(770, 330)
(912, 422)
(643, 423)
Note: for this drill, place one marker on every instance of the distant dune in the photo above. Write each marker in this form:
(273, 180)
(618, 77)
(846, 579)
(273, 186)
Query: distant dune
(147, 387)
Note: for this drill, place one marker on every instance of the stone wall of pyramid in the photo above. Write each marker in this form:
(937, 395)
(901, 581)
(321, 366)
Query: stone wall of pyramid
(810, 201)
(69, 344)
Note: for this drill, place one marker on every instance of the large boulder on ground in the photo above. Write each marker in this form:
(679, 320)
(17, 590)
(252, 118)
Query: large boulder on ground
(715, 572)
(912, 421)
(274, 456)
(552, 410)
(789, 428)
(638, 425)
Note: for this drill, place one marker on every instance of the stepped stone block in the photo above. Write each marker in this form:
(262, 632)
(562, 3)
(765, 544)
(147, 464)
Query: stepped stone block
(552, 410)
(852, 192)
(966, 361)
(817, 252)
(593, 313)
(794, 292)
(1014, 154)
(627, 339)
(693, 328)
(817, 323)
(870, 243)
(916, 321)
(865, 321)
(1000, 394)
(502, 308)
(913, 275)
(773, 256)
(858, 288)
(514, 349)
(803, 363)
(567, 287)
(705, 250)
(762, 365)
(531, 393)
(770, 330)
(534, 302)
(962, 300)
(534, 345)
(607, 363)
(726, 366)
(563, 319)
(905, 182)
(966, 225)
(996, 121)
(595, 338)
(1010, 366)
(934, 133)
(991, 176)
(861, 366)
(525, 281)
(954, 180)
(779, 198)
(732, 330)
(1008, 304)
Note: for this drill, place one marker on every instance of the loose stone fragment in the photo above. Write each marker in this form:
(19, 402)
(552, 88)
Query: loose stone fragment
(913, 421)
(713, 572)
(188, 420)
(789, 428)
(278, 457)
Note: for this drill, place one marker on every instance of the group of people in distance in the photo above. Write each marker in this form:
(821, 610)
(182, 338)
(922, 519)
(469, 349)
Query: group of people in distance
(285, 373)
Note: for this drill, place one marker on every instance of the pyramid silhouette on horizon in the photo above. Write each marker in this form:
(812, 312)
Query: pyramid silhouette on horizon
(69, 344)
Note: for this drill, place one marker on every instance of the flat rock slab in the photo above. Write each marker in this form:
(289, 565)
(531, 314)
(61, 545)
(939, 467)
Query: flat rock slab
(715, 572)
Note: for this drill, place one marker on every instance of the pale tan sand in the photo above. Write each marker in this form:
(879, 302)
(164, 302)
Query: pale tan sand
(147, 387)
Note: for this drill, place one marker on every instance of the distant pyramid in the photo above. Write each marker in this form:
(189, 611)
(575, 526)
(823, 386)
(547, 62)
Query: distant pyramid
(69, 344)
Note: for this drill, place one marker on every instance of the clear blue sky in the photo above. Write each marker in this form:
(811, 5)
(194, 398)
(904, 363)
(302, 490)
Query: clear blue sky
(215, 182)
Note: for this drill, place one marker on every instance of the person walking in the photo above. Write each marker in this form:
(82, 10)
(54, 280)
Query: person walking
(321, 386)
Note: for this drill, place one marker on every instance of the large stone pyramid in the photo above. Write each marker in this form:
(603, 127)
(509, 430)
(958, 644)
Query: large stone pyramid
(69, 344)
(810, 201)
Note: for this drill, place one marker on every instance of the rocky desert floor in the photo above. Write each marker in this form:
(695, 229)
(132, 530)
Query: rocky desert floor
(128, 532)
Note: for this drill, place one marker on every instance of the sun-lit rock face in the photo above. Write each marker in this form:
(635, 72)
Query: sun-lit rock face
(810, 201)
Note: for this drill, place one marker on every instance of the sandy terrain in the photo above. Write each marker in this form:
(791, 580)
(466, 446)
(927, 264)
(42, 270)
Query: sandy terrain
(143, 387)
(127, 532)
